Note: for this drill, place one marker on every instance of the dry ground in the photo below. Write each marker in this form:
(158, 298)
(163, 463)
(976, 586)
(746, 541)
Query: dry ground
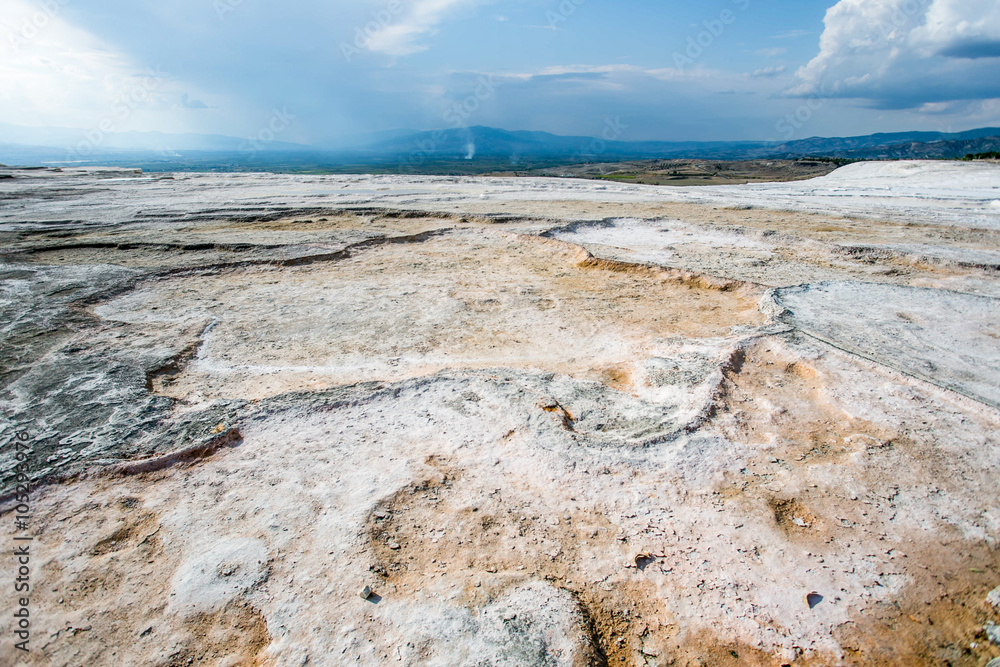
(542, 433)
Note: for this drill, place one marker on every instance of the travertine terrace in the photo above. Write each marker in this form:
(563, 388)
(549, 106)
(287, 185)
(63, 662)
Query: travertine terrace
(545, 422)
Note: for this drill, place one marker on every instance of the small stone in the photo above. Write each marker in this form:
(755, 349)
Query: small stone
(643, 559)
(993, 632)
(380, 515)
(994, 597)
(366, 592)
(995, 662)
(394, 546)
(813, 599)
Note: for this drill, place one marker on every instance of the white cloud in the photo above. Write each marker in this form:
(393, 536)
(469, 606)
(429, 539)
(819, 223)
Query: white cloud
(46, 65)
(602, 72)
(791, 34)
(961, 28)
(55, 73)
(905, 53)
(403, 35)
(768, 72)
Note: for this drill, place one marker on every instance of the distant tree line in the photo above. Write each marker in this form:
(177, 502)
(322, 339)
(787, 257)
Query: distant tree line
(992, 155)
(839, 161)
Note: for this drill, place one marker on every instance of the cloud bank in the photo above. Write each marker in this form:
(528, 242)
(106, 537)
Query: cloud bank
(403, 36)
(898, 54)
(51, 67)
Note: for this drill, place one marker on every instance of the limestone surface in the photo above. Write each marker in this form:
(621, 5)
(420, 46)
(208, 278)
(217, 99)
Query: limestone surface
(537, 421)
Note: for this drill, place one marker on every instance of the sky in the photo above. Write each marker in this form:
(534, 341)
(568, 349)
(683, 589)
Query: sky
(331, 71)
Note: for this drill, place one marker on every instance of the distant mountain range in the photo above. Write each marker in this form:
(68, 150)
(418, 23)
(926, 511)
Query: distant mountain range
(924, 150)
(463, 150)
(900, 145)
(491, 142)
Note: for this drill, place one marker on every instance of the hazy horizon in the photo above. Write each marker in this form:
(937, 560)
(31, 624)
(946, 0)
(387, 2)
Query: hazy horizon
(724, 70)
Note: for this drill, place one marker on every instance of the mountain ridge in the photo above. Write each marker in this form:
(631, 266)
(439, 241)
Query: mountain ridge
(415, 149)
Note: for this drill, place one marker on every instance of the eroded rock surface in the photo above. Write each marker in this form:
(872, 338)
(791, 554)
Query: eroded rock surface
(545, 422)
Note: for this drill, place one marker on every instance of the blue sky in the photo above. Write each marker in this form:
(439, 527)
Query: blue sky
(664, 69)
